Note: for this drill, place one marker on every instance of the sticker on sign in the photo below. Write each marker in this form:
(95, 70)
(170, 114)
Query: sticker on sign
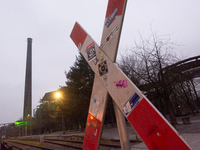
(131, 103)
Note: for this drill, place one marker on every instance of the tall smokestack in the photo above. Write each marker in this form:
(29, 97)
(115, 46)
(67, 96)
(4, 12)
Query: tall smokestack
(28, 83)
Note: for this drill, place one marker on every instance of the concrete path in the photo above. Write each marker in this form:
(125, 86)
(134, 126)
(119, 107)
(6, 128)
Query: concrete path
(189, 132)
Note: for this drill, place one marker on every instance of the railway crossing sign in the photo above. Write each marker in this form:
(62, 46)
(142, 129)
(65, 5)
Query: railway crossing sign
(110, 39)
(148, 122)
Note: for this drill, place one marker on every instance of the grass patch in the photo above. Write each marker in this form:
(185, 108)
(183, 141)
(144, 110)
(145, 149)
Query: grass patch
(30, 142)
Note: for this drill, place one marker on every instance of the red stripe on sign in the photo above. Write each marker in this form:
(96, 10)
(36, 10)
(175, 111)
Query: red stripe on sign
(92, 132)
(112, 4)
(78, 35)
(156, 133)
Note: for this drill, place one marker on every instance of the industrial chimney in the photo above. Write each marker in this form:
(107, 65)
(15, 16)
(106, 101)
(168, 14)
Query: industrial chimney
(27, 114)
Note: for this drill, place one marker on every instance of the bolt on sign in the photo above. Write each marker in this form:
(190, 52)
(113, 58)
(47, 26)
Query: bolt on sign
(152, 127)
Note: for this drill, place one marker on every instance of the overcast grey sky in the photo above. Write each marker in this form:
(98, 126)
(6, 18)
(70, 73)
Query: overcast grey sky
(49, 24)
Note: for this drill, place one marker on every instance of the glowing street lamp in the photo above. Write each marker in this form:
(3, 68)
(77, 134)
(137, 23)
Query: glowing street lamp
(58, 96)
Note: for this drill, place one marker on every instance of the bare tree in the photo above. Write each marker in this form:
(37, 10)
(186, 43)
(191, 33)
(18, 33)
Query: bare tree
(145, 68)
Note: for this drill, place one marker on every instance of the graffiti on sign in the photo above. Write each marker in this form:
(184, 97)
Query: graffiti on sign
(95, 133)
(121, 84)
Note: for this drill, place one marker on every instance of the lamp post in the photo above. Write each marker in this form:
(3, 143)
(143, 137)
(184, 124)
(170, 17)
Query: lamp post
(58, 96)
(26, 120)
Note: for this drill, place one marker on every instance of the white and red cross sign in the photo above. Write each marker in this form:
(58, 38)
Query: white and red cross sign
(152, 127)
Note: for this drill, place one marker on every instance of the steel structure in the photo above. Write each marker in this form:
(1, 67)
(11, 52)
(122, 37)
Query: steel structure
(183, 70)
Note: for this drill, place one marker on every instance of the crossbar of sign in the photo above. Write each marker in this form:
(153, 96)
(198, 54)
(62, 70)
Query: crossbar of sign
(152, 127)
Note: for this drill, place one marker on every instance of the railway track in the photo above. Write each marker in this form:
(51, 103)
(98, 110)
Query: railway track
(24, 146)
(59, 144)
(78, 144)
(65, 143)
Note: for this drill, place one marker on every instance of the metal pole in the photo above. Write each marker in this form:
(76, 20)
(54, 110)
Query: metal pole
(19, 130)
(63, 124)
(121, 125)
(30, 125)
(25, 128)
